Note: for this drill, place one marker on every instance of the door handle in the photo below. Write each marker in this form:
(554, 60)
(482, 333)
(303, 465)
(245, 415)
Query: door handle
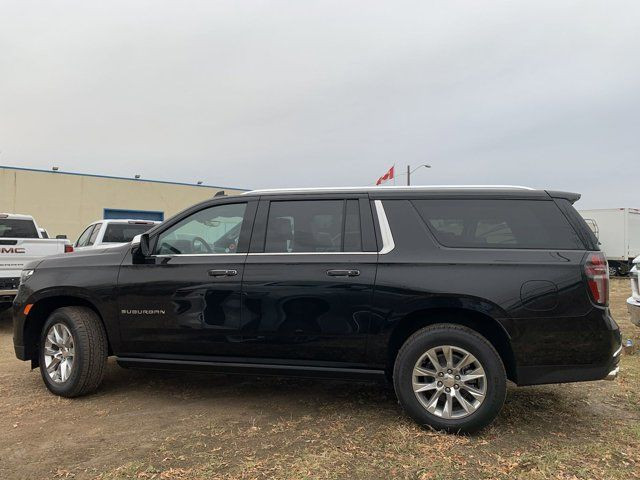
(223, 273)
(343, 273)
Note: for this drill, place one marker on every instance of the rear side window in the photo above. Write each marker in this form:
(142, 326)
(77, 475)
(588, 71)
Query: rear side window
(124, 232)
(12, 228)
(587, 232)
(498, 224)
(313, 226)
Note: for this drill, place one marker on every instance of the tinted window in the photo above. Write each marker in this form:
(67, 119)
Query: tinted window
(84, 237)
(498, 224)
(212, 230)
(11, 228)
(94, 234)
(588, 234)
(123, 232)
(352, 234)
(309, 226)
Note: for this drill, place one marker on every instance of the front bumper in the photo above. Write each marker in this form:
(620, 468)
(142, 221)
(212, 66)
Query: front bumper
(634, 310)
(7, 296)
(8, 288)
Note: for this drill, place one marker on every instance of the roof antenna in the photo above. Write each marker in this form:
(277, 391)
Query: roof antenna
(220, 193)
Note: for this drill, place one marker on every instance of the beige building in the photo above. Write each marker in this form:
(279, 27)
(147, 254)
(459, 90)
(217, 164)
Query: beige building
(65, 202)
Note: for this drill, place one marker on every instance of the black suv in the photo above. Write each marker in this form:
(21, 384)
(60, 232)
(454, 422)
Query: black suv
(446, 291)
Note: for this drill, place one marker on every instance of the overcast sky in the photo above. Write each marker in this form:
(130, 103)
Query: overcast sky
(320, 93)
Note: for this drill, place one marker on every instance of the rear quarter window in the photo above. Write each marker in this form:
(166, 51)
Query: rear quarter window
(534, 224)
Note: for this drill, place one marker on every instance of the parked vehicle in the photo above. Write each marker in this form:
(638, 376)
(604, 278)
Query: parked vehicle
(109, 233)
(21, 241)
(618, 231)
(447, 292)
(633, 302)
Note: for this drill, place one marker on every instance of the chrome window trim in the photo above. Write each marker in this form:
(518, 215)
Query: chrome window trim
(259, 254)
(170, 255)
(313, 253)
(385, 231)
(388, 243)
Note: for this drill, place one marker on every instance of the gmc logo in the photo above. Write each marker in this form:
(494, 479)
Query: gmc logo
(12, 250)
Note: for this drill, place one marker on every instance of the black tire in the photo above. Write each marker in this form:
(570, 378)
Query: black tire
(623, 270)
(90, 351)
(613, 270)
(457, 336)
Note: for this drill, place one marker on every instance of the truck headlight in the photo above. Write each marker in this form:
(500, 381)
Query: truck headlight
(24, 276)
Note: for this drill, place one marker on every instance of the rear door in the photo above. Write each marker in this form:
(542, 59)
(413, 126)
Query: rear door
(308, 281)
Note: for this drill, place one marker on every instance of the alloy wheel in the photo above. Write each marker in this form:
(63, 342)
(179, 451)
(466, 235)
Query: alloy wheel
(449, 382)
(59, 352)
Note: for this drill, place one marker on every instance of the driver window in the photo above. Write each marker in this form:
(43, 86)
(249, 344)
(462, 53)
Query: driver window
(212, 230)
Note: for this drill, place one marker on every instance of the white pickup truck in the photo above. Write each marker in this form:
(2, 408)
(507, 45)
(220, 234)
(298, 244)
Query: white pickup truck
(21, 241)
(111, 233)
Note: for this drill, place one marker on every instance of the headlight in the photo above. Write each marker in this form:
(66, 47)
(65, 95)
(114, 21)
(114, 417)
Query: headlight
(24, 276)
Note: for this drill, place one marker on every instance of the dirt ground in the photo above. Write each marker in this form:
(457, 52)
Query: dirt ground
(185, 426)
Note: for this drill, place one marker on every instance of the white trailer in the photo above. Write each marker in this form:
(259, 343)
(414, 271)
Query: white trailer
(618, 231)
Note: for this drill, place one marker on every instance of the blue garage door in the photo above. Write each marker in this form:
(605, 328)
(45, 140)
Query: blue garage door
(116, 213)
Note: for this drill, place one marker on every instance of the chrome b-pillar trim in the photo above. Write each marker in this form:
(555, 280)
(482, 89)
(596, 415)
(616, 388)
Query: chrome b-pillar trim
(385, 231)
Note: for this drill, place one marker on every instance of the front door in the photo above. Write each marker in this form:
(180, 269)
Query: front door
(308, 282)
(186, 298)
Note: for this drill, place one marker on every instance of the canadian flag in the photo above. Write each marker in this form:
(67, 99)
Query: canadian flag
(386, 176)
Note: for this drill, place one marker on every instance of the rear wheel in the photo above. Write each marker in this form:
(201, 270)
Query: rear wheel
(451, 378)
(73, 351)
(613, 270)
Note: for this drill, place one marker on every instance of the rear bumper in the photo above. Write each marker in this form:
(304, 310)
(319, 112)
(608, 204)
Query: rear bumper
(605, 349)
(634, 310)
(613, 374)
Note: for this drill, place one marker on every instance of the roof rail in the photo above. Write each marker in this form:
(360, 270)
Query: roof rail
(394, 187)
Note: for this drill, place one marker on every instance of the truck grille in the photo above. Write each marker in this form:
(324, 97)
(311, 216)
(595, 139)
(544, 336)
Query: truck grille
(9, 283)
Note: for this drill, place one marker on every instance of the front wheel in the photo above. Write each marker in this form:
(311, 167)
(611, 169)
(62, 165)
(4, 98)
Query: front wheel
(450, 377)
(73, 351)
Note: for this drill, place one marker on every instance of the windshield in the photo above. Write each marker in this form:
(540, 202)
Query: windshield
(12, 228)
(124, 232)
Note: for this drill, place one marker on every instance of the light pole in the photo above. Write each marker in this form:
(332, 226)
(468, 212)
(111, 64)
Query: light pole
(409, 171)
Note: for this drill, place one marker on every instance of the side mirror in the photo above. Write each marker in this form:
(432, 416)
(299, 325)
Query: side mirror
(61, 237)
(145, 248)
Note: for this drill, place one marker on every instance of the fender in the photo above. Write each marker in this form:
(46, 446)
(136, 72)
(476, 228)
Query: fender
(106, 310)
(390, 318)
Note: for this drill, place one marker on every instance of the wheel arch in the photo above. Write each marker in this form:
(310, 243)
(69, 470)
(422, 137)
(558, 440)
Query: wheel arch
(40, 311)
(484, 324)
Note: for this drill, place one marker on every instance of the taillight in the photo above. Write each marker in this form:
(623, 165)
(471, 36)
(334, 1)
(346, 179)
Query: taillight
(597, 273)
(68, 248)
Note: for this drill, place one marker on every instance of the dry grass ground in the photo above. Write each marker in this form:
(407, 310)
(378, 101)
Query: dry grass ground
(179, 426)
